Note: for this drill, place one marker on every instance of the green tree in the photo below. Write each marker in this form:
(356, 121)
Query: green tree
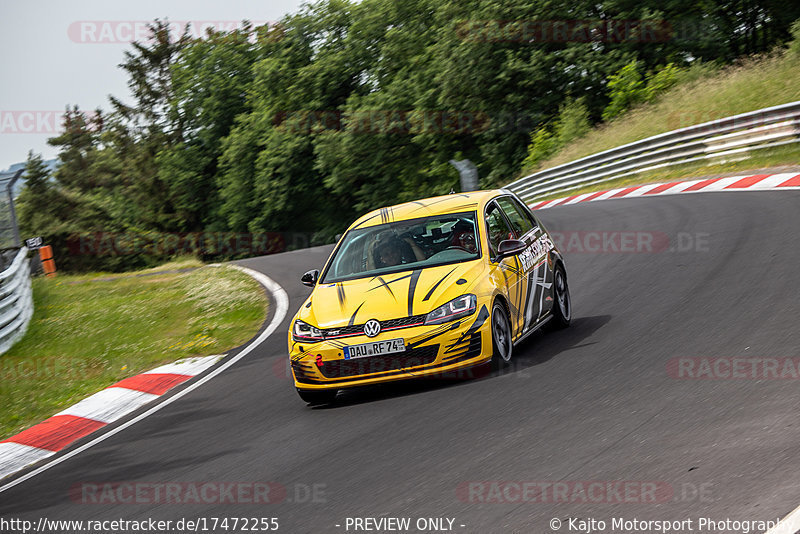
(572, 123)
(35, 202)
(210, 77)
(139, 131)
(268, 179)
(78, 150)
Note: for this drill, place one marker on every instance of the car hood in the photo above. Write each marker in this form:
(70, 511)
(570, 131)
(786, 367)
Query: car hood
(390, 296)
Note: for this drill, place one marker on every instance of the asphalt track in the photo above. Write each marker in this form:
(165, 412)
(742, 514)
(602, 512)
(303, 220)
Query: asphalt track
(591, 403)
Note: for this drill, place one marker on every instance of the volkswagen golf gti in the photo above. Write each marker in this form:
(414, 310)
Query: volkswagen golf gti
(425, 288)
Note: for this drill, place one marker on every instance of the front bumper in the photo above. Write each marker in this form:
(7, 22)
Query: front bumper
(430, 351)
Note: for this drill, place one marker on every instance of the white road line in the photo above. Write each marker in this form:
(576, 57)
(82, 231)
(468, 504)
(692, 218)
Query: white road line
(281, 303)
(788, 525)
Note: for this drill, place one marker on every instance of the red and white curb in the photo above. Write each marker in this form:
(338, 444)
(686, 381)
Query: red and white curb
(95, 412)
(757, 182)
(22, 454)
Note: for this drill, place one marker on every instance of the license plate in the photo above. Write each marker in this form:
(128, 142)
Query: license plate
(376, 348)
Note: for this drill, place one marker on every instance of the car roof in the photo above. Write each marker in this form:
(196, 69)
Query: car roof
(452, 203)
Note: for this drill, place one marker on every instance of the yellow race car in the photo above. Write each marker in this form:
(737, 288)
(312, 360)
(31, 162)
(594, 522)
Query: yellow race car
(426, 288)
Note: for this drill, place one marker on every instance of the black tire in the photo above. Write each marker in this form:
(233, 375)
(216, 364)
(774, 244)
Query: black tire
(502, 344)
(562, 304)
(317, 397)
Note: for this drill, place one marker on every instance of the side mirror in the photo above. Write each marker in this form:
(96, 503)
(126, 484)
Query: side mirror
(510, 247)
(310, 278)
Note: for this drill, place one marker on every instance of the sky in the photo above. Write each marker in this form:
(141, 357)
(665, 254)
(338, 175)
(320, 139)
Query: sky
(55, 53)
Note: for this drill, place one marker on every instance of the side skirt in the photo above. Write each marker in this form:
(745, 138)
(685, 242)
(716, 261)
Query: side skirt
(543, 321)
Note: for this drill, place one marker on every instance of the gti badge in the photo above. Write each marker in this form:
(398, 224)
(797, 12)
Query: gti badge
(372, 328)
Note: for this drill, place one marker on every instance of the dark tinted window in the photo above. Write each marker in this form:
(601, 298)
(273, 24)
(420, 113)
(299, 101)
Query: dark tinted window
(404, 245)
(520, 217)
(497, 228)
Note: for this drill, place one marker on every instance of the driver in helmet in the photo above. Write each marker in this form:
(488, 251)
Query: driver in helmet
(388, 254)
(464, 237)
(391, 251)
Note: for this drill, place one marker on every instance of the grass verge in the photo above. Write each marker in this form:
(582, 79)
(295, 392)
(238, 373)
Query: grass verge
(707, 95)
(88, 334)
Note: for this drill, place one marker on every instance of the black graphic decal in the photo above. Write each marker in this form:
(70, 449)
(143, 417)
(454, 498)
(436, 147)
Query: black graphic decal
(353, 318)
(437, 285)
(412, 287)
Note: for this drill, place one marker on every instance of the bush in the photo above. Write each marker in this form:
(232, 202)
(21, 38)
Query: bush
(659, 82)
(794, 44)
(541, 147)
(625, 89)
(572, 123)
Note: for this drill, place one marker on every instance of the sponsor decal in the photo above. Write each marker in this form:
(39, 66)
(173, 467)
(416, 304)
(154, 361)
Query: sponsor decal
(531, 254)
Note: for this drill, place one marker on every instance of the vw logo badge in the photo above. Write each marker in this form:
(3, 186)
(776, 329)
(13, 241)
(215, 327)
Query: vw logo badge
(372, 328)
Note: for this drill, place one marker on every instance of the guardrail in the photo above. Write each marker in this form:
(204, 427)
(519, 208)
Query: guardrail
(731, 137)
(16, 300)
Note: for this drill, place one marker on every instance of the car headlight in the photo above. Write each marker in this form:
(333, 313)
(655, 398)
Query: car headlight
(305, 332)
(455, 309)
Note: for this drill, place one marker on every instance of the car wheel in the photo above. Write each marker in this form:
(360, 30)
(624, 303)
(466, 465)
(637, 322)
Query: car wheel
(502, 345)
(562, 307)
(313, 397)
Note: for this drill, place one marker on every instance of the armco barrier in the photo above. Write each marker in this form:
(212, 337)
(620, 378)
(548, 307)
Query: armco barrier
(16, 300)
(731, 137)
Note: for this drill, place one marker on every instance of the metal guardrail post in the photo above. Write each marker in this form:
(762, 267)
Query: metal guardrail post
(468, 173)
(10, 192)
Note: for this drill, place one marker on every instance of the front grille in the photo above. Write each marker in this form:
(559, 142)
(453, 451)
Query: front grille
(344, 331)
(405, 321)
(358, 329)
(378, 364)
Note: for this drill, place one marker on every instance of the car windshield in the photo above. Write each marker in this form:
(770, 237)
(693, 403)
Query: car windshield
(404, 245)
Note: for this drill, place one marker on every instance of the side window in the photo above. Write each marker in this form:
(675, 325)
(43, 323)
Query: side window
(520, 218)
(526, 212)
(497, 228)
